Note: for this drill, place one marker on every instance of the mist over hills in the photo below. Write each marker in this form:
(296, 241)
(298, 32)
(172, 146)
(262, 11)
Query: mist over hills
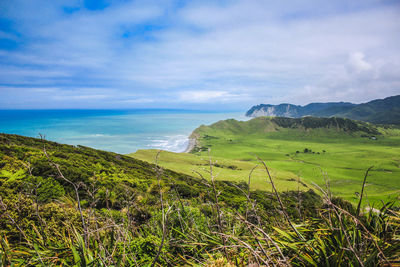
(381, 111)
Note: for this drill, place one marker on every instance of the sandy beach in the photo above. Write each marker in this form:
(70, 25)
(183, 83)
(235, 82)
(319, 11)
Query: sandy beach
(191, 144)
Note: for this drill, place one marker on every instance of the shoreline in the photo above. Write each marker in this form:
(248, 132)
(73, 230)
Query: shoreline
(191, 145)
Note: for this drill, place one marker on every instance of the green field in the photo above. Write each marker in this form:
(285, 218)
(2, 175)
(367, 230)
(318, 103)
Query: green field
(337, 155)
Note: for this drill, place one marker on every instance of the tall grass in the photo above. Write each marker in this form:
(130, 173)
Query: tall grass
(201, 231)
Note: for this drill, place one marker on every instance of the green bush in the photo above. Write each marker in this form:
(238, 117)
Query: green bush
(45, 189)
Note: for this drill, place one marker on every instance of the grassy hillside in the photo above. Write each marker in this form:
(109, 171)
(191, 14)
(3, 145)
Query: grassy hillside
(80, 164)
(225, 169)
(63, 205)
(377, 111)
(380, 111)
(309, 150)
(66, 205)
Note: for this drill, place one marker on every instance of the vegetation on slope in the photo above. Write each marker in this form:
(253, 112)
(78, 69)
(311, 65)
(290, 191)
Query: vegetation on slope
(381, 111)
(66, 205)
(311, 148)
(225, 169)
(307, 150)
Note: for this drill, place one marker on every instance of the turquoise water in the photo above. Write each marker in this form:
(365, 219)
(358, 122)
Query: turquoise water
(121, 131)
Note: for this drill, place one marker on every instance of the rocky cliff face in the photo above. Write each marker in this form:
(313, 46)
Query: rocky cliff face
(282, 110)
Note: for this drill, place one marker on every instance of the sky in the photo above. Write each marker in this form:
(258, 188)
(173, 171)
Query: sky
(197, 54)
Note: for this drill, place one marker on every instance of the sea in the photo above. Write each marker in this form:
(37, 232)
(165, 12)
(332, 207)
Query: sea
(120, 131)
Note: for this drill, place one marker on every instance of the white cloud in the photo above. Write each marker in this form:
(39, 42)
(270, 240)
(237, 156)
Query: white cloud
(204, 96)
(237, 52)
(357, 62)
(138, 100)
(81, 97)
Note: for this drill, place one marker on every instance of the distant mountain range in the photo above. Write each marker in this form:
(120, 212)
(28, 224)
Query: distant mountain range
(380, 111)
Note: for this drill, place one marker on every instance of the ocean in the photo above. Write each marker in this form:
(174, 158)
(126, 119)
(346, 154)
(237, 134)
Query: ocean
(120, 131)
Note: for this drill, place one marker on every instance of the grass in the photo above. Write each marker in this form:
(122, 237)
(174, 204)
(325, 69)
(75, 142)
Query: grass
(225, 169)
(341, 157)
(77, 206)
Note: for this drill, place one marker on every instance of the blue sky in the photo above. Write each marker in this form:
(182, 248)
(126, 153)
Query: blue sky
(196, 54)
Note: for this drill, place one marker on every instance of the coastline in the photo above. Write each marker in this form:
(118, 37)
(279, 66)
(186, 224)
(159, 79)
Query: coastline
(191, 145)
(119, 131)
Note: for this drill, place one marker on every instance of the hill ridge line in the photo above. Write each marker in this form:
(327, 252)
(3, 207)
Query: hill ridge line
(378, 111)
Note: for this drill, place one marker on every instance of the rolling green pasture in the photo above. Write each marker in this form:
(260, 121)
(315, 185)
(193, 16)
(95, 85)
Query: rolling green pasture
(338, 158)
(223, 169)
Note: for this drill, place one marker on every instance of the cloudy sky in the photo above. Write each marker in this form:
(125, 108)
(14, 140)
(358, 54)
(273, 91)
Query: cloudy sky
(196, 54)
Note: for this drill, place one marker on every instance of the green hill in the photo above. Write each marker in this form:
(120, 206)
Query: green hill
(273, 124)
(383, 111)
(309, 150)
(77, 206)
(69, 205)
(380, 111)
(80, 164)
